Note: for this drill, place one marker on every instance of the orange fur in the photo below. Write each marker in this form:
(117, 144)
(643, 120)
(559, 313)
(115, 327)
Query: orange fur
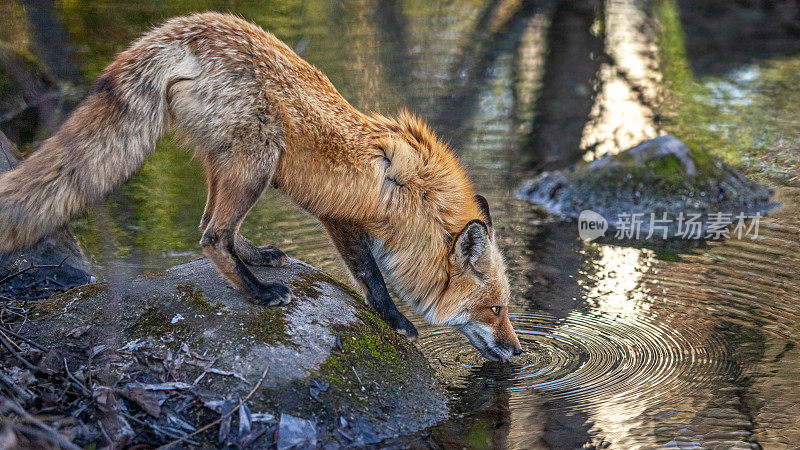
(257, 115)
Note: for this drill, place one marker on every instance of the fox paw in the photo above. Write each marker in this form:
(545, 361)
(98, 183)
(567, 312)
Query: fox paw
(273, 294)
(253, 255)
(404, 326)
(270, 256)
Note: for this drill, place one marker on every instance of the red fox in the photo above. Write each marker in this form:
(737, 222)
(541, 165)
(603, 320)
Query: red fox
(393, 198)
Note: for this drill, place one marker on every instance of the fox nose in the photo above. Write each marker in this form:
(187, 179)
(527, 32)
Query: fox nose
(518, 351)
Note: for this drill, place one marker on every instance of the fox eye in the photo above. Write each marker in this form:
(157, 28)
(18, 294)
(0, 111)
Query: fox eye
(496, 310)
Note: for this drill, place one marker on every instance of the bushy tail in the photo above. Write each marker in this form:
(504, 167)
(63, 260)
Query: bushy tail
(102, 143)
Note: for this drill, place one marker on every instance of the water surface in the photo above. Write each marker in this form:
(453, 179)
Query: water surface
(625, 346)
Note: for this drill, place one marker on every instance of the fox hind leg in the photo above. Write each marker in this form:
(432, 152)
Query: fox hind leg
(238, 186)
(239, 133)
(211, 198)
(265, 255)
(250, 254)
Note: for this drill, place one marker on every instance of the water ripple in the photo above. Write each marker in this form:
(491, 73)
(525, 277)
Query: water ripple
(593, 358)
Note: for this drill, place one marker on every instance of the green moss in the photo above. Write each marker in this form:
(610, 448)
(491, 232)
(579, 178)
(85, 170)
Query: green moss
(154, 273)
(706, 164)
(270, 326)
(45, 307)
(668, 168)
(369, 348)
(625, 178)
(194, 297)
(154, 323)
(307, 285)
(59, 301)
(479, 435)
(87, 291)
(663, 175)
(666, 255)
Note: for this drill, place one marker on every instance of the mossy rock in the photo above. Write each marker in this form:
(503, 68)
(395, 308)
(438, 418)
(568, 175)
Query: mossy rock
(378, 380)
(662, 176)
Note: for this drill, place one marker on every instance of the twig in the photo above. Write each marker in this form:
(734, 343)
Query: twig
(158, 429)
(208, 369)
(76, 382)
(10, 341)
(48, 434)
(23, 338)
(14, 388)
(34, 266)
(221, 418)
(358, 377)
(6, 343)
(14, 310)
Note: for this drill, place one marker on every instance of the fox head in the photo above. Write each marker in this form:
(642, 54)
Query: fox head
(477, 293)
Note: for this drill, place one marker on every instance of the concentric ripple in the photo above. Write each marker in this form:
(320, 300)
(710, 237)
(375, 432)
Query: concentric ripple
(591, 358)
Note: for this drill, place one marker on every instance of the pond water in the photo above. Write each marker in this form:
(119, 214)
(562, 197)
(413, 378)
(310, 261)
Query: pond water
(627, 346)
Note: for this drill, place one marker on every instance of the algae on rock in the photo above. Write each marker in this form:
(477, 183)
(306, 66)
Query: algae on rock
(659, 179)
(327, 336)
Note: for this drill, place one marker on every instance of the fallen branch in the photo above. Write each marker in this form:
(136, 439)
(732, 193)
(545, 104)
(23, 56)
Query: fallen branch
(21, 393)
(19, 314)
(24, 339)
(75, 382)
(34, 266)
(169, 386)
(221, 418)
(47, 433)
(158, 429)
(7, 344)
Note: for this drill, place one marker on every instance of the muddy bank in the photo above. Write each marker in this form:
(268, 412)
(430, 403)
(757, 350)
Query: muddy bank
(182, 349)
(661, 181)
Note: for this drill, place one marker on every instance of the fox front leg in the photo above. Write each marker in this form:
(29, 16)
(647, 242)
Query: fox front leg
(354, 246)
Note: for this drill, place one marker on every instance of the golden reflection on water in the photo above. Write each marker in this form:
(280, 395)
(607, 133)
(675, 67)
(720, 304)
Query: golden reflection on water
(616, 277)
(623, 114)
(632, 346)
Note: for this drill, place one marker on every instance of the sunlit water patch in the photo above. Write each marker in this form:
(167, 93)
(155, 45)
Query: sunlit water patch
(628, 346)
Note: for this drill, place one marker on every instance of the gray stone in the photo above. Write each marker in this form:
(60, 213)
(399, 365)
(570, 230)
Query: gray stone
(659, 178)
(651, 150)
(315, 344)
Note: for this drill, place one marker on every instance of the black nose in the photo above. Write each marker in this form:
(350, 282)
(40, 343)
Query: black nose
(518, 351)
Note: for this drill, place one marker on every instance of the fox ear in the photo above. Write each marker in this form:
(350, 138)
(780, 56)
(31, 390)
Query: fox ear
(484, 206)
(471, 243)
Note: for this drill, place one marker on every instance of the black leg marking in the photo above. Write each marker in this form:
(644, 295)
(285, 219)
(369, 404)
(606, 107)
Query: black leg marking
(354, 246)
(267, 294)
(220, 250)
